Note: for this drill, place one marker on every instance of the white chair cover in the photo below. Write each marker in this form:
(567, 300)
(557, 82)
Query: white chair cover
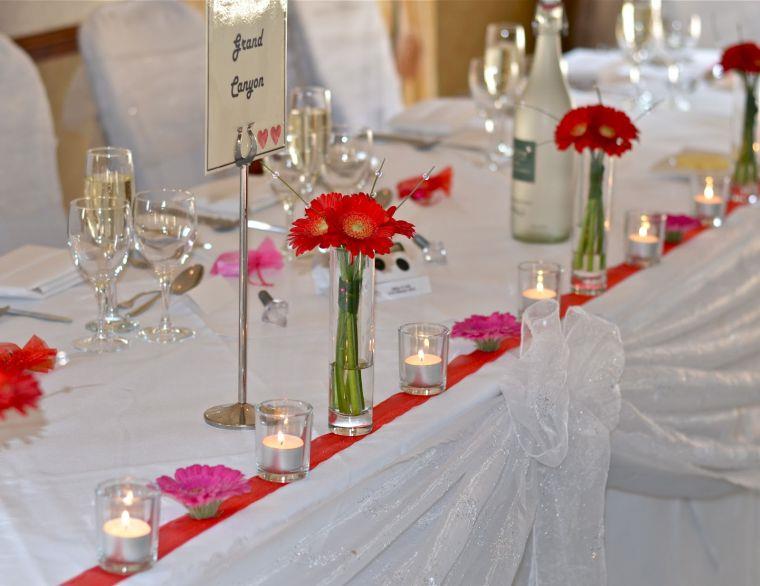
(344, 47)
(31, 209)
(145, 61)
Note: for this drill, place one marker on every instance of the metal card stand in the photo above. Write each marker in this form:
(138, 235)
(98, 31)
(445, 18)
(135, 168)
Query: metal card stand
(240, 415)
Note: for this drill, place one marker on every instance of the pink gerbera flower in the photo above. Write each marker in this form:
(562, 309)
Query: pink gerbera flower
(202, 488)
(676, 226)
(488, 332)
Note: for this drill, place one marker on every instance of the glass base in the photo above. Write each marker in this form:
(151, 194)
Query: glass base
(350, 425)
(117, 325)
(280, 477)
(101, 346)
(536, 238)
(715, 222)
(641, 262)
(125, 568)
(749, 194)
(423, 391)
(168, 336)
(588, 283)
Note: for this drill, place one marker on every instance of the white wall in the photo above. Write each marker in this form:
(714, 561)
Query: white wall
(27, 17)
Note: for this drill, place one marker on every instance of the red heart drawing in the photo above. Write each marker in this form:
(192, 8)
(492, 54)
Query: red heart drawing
(276, 132)
(262, 136)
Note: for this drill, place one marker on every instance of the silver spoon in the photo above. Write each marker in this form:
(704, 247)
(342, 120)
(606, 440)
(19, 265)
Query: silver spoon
(182, 283)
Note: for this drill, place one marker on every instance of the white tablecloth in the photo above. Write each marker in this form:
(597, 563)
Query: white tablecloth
(385, 509)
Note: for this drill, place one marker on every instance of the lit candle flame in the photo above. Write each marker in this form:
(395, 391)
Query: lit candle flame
(709, 191)
(129, 498)
(421, 355)
(540, 281)
(280, 437)
(644, 228)
(125, 518)
(426, 343)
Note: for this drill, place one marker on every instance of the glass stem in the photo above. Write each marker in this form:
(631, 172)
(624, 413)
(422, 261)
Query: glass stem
(165, 281)
(110, 295)
(101, 294)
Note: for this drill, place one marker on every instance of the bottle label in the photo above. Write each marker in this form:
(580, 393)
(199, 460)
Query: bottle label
(524, 161)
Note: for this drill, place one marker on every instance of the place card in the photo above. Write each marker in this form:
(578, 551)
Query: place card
(245, 76)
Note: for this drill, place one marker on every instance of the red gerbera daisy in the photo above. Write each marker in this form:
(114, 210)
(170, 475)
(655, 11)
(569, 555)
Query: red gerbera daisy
(743, 57)
(399, 226)
(596, 127)
(363, 226)
(18, 391)
(314, 229)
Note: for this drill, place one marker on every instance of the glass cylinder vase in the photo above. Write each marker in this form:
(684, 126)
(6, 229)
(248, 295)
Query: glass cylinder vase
(352, 332)
(592, 223)
(745, 186)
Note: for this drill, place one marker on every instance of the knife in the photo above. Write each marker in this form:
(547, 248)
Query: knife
(34, 315)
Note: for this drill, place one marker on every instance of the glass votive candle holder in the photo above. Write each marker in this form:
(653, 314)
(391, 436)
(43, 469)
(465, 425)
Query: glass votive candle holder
(423, 357)
(644, 237)
(710, 195)
(538, 280)
(127, 514)
(283, 439)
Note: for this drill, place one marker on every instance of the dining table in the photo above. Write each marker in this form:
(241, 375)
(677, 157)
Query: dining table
(444, 491)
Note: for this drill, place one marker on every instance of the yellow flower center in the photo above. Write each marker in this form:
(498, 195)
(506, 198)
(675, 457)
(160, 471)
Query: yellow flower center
(358, 226)
(318, 227)
(607, 131)
(579, 129)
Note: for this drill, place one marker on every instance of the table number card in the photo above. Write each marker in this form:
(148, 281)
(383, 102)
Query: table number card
(245, 76)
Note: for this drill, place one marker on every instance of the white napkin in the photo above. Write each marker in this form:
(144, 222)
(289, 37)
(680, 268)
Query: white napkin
(216, 298)
(435, 118)
(220, 199)
(36, 272)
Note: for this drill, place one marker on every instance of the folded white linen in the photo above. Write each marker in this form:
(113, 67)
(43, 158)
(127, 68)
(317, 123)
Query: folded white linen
(36, 272)
(435, 118)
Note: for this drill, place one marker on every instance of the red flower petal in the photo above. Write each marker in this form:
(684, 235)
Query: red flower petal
(744, 57)
(596, 127)
(18, 391)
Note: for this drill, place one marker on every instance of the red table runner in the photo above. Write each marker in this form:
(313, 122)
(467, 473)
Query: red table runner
(181, 530)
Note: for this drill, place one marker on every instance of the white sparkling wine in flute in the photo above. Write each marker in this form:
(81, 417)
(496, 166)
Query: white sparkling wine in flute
(308, 135)
(542, 176)
(502, 66)
(109, 185)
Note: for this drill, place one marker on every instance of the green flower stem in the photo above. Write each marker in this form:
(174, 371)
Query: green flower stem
(746, 172)
(589, 253)
(348, 392)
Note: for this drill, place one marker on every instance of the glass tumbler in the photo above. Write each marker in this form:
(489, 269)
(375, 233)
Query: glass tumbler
(423, 357)
(283, 439)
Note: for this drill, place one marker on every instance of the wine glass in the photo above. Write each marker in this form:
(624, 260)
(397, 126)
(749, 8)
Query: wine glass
(309, 122)
(634, 34)
(109, 173)
(99, 235)
(496, 119)
(680, 38)
(165, 225)
(284, 170)
(348, 159)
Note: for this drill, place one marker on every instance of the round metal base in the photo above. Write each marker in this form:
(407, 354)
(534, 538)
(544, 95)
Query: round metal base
(234, 416)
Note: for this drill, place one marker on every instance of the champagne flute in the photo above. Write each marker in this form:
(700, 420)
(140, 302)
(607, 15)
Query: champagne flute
(165, 225)
(309, 122)
(503, 75)
(109, 174)
(348, 159)
(99, 236)
(635, 36)
(504, 59)
(281, 163)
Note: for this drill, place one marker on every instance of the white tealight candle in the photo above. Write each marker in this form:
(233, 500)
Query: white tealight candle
(127, 540)
(643, 245)
(708, 205)
(423, 369)
(282, 453)
(538, 292)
